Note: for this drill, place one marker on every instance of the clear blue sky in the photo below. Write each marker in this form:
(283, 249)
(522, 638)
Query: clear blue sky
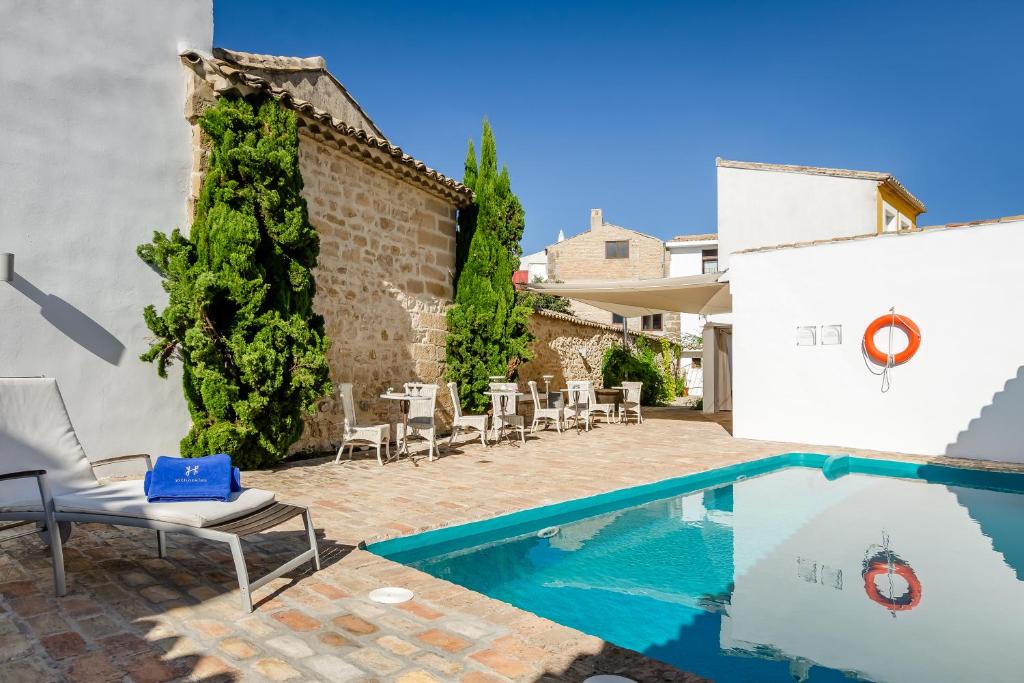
(625, 106)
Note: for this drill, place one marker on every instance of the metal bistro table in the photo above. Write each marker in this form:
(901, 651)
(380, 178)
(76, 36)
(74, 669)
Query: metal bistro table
(613, 392)
(503, 403)
(405, 401)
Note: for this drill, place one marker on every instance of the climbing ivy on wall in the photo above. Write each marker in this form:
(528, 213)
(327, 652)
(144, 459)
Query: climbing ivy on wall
(239, 316)
(488, 330)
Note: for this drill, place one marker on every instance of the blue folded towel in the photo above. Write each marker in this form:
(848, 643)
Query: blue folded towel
(192, 479)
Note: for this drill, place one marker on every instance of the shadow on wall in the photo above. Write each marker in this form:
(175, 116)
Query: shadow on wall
(76, 325)
(998, 432)
(375, 345)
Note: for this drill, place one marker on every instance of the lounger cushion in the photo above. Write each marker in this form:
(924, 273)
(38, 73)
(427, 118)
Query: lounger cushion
(127, 499)
(36, 434)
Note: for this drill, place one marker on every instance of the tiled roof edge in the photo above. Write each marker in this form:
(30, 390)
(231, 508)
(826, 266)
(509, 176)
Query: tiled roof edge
(233, 77)
(901, 233)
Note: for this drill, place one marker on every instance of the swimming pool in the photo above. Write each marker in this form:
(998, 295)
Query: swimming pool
(794, 567)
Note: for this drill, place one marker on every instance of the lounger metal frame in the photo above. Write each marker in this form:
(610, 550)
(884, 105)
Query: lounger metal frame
(231, 532)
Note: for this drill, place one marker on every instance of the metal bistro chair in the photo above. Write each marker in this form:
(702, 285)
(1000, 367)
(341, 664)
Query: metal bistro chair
(548, 414)
(631, 402)
(460, 421)
(504, 404)
(577, 404)
(421, 417)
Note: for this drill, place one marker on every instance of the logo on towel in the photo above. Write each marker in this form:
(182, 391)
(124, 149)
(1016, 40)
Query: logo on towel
(191, 469)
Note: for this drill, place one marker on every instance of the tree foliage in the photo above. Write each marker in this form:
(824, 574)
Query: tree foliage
(488, 331)
(239, 315)
(548, 302)
(639, 364)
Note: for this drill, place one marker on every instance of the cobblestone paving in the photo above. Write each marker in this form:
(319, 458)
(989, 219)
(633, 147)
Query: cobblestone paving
(131, 616)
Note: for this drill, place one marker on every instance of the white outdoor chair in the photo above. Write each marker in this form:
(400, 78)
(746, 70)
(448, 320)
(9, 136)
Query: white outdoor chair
(460, 421)
(631, 402)
(421, 417)
(353, 433)
(46, 478)
(548, 414)
(607, 409)
(504, 406)
(577, 402)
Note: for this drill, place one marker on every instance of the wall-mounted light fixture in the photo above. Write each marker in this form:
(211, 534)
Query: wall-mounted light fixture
(6, 267)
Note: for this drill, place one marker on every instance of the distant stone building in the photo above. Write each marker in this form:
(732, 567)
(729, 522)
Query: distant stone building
(612, 252)
(386, 224)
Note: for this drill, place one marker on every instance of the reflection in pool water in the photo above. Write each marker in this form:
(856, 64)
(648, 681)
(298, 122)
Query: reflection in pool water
(782, 577)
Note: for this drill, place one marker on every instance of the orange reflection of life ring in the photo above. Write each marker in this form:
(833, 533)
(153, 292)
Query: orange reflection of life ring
(904, 323)
(907, 601)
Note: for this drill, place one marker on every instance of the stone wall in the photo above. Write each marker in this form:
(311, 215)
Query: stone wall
(384, 282)
(568, 348)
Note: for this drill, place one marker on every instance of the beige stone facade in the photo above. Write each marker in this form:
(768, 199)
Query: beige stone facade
(568, 348)
(384, 281)
(584, 257)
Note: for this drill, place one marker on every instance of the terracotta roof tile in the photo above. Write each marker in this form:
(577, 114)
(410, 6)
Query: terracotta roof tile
(695, 238)
(226, 76)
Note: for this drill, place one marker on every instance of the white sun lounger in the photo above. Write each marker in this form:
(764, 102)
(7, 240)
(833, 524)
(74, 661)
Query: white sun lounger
(46, 478)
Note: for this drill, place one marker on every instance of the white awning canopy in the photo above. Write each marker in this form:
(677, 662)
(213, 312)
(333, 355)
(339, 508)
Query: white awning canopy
(704, 294)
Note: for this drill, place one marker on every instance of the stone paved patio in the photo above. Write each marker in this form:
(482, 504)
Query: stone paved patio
(131, 616)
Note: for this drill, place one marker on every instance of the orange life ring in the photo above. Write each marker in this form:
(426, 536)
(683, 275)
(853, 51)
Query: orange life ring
(907, 601)
(909, 328)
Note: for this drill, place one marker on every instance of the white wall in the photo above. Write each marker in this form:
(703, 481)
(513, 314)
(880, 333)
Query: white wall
(962, 394)
(96, 155)
(685, 261)
(759, 208)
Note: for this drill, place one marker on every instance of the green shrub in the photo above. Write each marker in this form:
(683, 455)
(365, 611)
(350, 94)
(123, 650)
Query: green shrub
(239, 315)
(681, 385)
(623, 365)
(488, 332)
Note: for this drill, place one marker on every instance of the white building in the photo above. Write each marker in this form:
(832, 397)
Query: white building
(535, 265)
(811, 257)
(762, 205)
(97, 154)
(692, 255)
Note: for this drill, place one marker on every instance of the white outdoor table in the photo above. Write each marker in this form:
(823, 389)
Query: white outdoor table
(517, 394)
(576, 404)
(405, 400)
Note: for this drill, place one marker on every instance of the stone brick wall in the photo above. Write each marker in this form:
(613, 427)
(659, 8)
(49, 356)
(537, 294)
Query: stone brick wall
(582, 257)
(568, 348)
(384, 276)
(384, 282)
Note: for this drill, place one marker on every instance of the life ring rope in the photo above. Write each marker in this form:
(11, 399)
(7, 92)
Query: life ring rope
(891, 320)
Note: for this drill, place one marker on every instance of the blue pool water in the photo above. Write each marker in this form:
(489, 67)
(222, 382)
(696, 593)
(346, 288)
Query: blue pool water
(796, 567)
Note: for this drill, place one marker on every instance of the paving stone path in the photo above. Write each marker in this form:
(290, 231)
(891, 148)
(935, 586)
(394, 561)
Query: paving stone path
(130, 616)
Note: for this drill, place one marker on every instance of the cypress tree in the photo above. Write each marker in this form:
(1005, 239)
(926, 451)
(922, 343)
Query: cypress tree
(488, 330)
(239, 315)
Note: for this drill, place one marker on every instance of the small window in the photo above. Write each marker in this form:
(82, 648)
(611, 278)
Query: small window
(695, 362)
(616, 319)
(651, 322)
(618, 249)
(905, 223)
(709, 261)
(889, 220)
